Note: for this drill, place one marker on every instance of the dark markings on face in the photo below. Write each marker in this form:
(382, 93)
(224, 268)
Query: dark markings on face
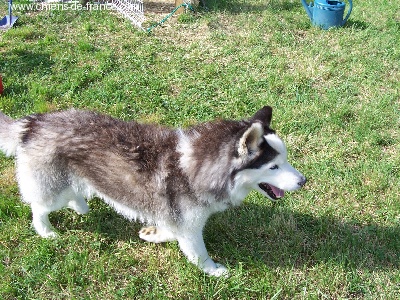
(267, 154)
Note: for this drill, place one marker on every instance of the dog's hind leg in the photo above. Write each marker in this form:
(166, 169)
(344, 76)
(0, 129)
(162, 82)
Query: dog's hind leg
(36, 194)
(46, 194)
(79, 205)
(40, 221)
(42, 206)
(74, 201)
(40, 212)
(156, 234)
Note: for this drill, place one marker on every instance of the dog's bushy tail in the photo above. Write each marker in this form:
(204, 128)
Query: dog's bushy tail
(9, 135)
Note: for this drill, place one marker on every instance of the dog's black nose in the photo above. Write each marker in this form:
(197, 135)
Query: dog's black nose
(302, 181)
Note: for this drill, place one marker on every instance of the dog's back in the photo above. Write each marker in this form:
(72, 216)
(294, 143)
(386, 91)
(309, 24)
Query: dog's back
(70, 155)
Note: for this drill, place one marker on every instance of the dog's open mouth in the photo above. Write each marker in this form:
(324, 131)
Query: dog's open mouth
(272, 191)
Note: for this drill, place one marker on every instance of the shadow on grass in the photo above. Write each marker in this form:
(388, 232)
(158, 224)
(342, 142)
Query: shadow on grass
(24, 61)
(237, 6)
(19, 63)
(270, 235)
(279, 237)
(359, 25)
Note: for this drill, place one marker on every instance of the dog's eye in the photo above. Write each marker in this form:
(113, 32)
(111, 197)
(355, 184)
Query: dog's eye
(274, 167)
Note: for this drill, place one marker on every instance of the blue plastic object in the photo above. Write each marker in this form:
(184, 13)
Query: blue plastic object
(8, 21)
(327, 13)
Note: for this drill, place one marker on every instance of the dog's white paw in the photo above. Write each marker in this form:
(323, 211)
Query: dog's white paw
(48, 234)
(44, 231)
(218, 271)
(148, 234)
(154, 234)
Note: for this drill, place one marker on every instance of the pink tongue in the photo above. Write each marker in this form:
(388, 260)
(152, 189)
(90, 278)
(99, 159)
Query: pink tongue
(277, 191)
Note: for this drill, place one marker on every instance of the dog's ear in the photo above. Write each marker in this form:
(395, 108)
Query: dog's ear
(251, 139)
(264, 115)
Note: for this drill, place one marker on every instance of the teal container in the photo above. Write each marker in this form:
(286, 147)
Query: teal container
(326, 13)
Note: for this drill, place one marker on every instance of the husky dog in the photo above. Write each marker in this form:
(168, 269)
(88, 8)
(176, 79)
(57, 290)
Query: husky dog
(172, 180)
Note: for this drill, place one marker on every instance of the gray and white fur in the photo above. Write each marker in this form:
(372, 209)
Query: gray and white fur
(170, 179)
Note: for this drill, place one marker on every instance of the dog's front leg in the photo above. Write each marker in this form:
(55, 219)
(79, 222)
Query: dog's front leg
(192, 245)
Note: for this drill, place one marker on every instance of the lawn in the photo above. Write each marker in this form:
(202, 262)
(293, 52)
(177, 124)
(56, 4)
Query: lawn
(336, 100)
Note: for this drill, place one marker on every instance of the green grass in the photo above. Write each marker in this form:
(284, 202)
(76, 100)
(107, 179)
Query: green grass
(336, 99)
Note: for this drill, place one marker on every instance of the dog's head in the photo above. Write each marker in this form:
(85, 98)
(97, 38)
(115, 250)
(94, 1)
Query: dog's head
(263, 157)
